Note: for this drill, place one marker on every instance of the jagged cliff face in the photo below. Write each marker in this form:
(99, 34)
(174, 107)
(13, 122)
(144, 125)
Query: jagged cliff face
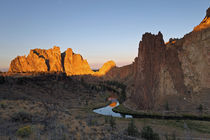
(151, 57)
(52, 60)
(195, 56)
(38, 60)
(74, 64)
(180, 67)
(195, 59)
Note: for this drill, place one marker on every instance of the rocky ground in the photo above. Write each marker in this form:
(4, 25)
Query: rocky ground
(56, 107)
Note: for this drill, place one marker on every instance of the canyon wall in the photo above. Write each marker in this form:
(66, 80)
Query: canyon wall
(179, 67)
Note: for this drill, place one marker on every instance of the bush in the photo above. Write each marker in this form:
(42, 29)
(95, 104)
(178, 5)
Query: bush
(2, 80)
(3, 105)
(200, 108)
(22, 116)
(167, 106)
(148, 134)
(132, 129)
(24, 131)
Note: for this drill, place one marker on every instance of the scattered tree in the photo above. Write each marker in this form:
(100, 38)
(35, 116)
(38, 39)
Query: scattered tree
(200, 108)
(21, 116)
(132, 129)
(167, 106)
(148, 134)
(2, 80)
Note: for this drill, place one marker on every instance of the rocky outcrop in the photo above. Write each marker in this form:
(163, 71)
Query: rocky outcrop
(195, 59)
(151, 58)
(74, 64)
(205, 23)
(52, 60)
(180, 67)
(123, 74)
(105, 68)
(38, 60)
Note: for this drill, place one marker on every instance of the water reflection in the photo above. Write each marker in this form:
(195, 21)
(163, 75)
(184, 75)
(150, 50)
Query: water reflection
(107, 110)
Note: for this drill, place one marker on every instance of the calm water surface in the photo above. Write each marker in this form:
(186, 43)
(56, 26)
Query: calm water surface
(107, 110)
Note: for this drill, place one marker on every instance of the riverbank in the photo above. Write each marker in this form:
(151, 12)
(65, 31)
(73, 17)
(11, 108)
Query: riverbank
(166, 115)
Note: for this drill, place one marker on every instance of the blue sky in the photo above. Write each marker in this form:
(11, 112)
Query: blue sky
(99, 30)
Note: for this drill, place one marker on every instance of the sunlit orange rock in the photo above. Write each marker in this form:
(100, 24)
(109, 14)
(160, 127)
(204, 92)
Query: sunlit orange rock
(38, 60)
(205, 22)
(52, 60)
(74, 64)
(105, 68)
(113, 104)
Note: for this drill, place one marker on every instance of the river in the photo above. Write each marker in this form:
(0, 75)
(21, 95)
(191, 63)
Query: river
(107, 110)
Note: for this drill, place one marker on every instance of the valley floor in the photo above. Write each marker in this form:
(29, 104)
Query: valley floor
(60, 108)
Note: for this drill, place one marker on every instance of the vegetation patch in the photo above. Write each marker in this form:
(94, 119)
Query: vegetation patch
(148, 134)
(21, 116)
(158, 115)
(3, 105)
(2, 80)
(199, 126)
(24, 131)
(132, 129)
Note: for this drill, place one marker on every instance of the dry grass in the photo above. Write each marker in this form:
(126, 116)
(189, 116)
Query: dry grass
(59, 110)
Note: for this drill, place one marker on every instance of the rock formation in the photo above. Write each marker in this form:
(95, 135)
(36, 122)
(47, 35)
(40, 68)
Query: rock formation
(38, 60)
(180, 67)
(205, 23)
(123, 74)
(105, 68)
(151, 57)
(177, 68)
(74, 64)
(52, 60)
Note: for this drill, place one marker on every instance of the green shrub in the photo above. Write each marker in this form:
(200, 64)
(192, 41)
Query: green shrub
(24, 131)
(167, 106)
(173, 136)
(132, 129)
(2, 80)
(148, 134)
(200, 108)
(3, 105)
(22, 116)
